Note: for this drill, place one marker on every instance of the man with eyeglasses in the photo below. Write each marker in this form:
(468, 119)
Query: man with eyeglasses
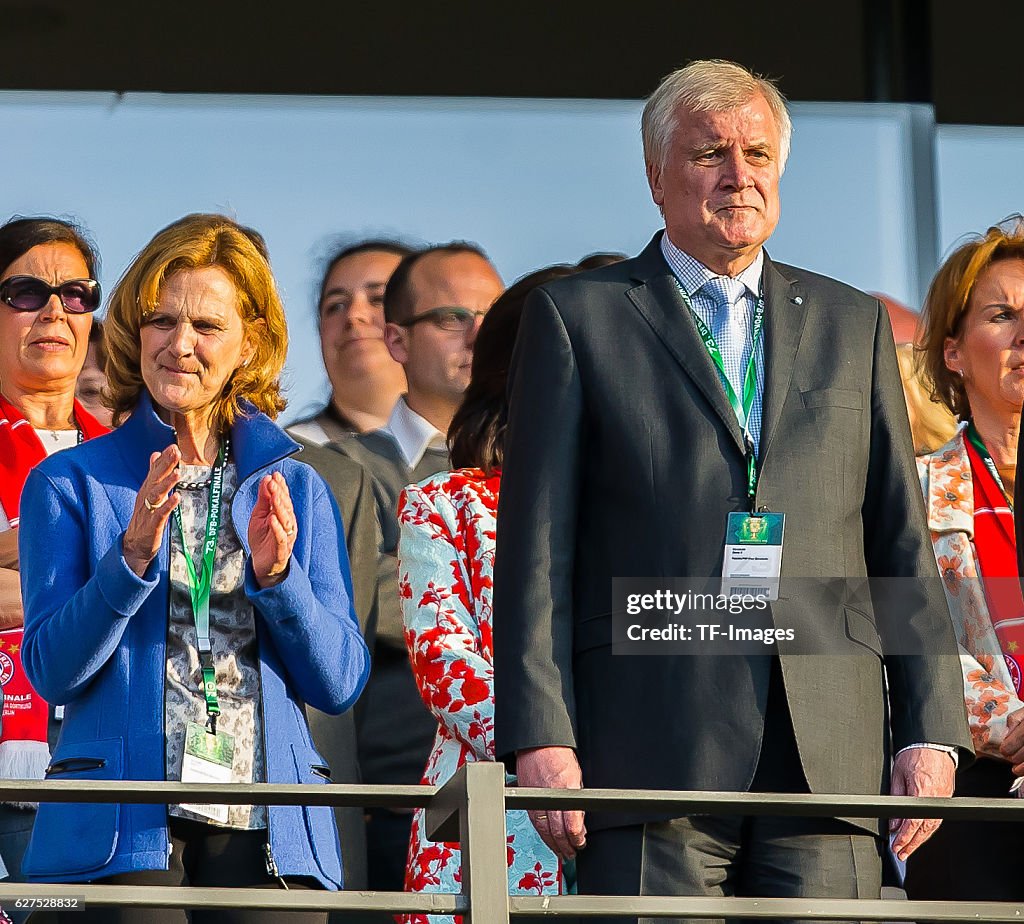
(433, 305)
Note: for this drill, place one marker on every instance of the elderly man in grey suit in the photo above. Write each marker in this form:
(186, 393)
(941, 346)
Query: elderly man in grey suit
(650, 401)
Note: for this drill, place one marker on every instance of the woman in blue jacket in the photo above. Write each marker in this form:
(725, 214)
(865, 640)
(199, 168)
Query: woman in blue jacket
(187, 591)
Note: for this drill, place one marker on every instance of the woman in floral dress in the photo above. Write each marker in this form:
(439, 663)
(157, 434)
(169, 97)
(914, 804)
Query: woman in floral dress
(973, 353)
(446, 564)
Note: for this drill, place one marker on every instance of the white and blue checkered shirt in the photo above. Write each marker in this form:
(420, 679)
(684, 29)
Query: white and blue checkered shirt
(692, 276)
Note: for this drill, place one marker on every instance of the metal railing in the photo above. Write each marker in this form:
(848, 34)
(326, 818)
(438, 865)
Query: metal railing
(470, 808)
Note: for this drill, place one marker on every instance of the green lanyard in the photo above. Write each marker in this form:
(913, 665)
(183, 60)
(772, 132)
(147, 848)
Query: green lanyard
(741, 410)
(200, 585)
(974, 438)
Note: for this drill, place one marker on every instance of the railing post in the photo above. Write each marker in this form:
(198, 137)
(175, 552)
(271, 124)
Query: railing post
(482, 827)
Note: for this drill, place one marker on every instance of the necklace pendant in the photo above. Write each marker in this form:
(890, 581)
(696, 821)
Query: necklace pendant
(192, 485)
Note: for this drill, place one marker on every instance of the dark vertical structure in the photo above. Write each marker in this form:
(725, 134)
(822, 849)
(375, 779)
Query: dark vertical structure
(897, 49)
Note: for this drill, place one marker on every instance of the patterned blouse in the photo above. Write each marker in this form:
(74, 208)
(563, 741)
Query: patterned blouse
(989, 692)
(446, 566)
(235, 652)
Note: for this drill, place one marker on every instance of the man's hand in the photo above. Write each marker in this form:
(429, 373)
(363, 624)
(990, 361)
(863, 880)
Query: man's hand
(1012, 747)
(554, 768)
(919, 772)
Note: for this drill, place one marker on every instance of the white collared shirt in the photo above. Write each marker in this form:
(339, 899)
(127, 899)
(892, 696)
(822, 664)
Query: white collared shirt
(413, 434)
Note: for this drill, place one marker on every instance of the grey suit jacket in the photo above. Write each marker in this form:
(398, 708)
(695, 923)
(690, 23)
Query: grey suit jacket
(623, 459)
(352, 487)
(395, 729)
(335, 735)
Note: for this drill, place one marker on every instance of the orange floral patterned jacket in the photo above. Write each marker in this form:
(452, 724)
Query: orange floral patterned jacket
(989, 693)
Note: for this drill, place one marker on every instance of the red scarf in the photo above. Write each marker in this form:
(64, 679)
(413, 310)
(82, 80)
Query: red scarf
(996, 547)
(21, 449)
(23, 749)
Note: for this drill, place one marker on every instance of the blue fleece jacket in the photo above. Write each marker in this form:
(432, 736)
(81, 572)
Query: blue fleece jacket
(95, 642)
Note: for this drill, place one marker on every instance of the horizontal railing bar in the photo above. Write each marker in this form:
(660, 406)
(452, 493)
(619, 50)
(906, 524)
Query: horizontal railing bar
(159, 791)
(823, 909)
(805, 909)
(672, 803)
(606, 800)
(124, 896)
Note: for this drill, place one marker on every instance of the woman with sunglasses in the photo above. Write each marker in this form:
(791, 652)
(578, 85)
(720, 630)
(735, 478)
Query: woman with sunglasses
(198, 597)
(48, 292)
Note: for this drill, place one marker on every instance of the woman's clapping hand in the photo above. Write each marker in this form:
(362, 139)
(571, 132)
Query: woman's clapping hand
(153, 507)
(272, 531)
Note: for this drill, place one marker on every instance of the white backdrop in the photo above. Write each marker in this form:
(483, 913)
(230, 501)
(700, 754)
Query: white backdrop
(981, 180)
(533, 181)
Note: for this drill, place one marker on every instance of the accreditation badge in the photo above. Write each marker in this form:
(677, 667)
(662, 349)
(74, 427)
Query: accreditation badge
(208, 759)
(753, 554)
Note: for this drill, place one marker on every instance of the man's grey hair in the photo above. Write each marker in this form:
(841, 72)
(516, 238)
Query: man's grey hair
(708, 86)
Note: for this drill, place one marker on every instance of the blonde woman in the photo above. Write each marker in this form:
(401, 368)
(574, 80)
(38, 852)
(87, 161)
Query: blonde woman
(198, 597)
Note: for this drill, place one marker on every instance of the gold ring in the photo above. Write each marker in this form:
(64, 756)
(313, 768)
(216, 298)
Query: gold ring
(541, 815)
(290, 532)
(152, 507)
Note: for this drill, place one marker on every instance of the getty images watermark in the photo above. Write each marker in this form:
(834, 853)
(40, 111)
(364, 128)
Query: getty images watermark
(718, 607)
(813, 616)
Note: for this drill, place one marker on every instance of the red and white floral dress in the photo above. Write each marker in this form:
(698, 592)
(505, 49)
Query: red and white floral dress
(445, 579)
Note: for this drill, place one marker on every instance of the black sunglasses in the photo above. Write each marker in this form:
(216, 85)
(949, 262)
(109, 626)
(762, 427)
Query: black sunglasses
(30, 293)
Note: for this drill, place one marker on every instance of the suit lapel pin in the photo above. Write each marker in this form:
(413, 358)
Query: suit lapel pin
(798, 300)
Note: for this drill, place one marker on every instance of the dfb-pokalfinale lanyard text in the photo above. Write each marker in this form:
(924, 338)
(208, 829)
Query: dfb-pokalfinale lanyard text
(740, 408)
(200, 585)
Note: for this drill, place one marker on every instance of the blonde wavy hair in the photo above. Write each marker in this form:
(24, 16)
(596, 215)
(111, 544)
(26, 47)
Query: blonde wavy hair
(931, 423)
(194, 242)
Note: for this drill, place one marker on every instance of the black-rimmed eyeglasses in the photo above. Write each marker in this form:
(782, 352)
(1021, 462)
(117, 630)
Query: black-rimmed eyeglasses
(30, 293)
(454, 320)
